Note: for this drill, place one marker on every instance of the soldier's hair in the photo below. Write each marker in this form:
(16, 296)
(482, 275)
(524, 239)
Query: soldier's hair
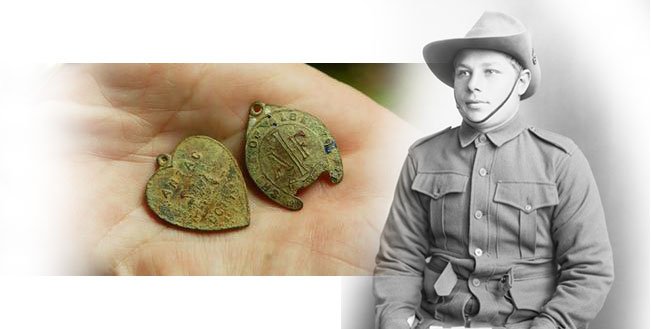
(515, 64)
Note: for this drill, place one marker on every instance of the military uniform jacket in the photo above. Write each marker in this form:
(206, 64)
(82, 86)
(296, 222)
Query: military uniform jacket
(512, 217)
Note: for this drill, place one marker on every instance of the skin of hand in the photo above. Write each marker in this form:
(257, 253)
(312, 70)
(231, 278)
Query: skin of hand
(116, 119)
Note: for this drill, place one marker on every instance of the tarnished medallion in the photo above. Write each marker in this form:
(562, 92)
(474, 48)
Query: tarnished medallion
(199, 186)
(287, 150)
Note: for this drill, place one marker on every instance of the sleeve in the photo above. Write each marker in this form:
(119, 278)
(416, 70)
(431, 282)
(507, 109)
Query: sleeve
(401, 259)
(583, 251)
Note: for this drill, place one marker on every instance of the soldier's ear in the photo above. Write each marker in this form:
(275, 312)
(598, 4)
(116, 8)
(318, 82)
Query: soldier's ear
(523, 81)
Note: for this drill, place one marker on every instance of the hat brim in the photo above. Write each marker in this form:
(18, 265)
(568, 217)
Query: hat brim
(439, 55)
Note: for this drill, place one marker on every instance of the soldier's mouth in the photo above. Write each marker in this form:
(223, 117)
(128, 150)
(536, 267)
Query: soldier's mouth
(475, 102)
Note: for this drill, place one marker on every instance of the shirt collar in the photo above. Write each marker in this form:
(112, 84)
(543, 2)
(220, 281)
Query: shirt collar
(500, 136)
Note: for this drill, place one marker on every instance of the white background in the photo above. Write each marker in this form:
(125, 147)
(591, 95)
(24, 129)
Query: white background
(607, 35)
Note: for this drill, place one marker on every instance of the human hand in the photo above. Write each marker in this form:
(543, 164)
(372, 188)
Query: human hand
(120, 117)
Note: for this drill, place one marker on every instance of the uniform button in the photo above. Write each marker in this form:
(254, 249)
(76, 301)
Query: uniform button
(482, 138)
(528, 207)
(476, 282)
(478, 214)
(478, 252)
(483, 172)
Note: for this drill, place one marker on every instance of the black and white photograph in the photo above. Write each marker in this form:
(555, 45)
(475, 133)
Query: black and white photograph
(494, 222)
(476, 235)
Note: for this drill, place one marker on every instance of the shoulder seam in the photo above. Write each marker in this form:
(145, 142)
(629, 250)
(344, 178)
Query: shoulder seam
(426, 138)
(543, 135)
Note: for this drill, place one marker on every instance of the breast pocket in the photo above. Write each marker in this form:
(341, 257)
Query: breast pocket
(522, 207)
(445, 198)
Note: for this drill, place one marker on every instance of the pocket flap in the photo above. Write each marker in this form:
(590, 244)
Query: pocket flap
(527, 196)
(532, 294)
(437, 185)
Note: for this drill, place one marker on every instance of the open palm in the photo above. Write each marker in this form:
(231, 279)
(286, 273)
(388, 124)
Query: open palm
(120, 117)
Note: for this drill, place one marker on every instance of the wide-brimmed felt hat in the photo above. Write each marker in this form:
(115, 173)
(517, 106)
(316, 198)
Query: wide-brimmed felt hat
(493, 31)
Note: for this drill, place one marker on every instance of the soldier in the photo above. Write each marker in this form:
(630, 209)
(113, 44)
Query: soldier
(493, 223)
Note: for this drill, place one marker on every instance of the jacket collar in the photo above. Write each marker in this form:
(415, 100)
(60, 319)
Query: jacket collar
(499, 136)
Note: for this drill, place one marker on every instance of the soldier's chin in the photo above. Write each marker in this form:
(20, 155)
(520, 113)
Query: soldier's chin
(475, 115)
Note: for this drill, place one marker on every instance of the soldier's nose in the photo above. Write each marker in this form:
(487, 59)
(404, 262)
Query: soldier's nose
(474, 83)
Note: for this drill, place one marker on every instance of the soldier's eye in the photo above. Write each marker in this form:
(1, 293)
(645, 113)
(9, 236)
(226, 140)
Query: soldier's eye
(463, 73)
(492, 71)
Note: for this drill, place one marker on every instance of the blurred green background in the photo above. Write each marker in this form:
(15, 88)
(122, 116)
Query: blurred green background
(376, 80)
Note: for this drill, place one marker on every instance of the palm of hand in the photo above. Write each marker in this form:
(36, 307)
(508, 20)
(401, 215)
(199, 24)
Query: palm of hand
(123, 116)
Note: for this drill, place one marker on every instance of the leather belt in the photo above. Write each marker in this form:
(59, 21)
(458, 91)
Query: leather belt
(515, 272)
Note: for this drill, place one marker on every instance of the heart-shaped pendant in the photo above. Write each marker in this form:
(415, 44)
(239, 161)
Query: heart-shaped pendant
(287, 150)
(199, 187)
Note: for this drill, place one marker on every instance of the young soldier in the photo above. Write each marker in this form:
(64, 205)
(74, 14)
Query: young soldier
(494, 223)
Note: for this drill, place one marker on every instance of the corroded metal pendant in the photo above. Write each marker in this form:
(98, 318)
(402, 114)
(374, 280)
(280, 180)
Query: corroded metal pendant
(199, 186)
(287, 150)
